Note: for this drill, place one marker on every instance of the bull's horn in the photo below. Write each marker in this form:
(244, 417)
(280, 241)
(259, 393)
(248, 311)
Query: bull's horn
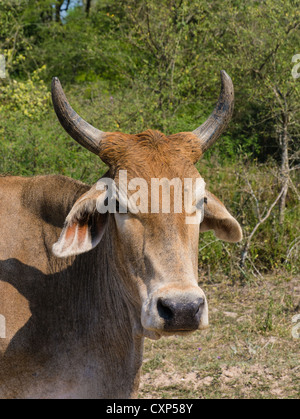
(217, 122)
(82, 132)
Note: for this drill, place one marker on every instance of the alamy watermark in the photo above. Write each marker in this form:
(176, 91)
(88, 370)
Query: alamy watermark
(2, 327)
(139, 196)
(2, 67)
(296, 328)
(296, 68)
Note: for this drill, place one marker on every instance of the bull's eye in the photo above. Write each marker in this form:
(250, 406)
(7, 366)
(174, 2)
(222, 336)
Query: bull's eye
(120, 208)
(113, 205)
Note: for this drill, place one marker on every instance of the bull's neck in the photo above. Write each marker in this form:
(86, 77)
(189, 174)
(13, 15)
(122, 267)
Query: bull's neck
(104, 316)
(119, 316)
(94, 286)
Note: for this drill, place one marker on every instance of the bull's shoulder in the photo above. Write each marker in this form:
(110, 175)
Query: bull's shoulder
(51, 197)
(48, 197)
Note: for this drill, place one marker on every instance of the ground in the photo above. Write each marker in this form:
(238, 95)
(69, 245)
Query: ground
(251, 350)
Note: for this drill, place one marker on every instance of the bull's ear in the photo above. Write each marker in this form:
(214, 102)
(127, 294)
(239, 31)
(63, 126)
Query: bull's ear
(217, 218)
(84, 226)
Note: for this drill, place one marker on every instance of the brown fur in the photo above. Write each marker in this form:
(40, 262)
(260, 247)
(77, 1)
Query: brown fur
(74, 325)
(120, 150)
(58, 309)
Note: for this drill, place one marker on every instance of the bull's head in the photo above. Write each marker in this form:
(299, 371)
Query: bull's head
(156, 252)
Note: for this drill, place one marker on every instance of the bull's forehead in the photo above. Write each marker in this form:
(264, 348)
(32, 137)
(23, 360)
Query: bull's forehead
(153, 165)
(150, 154)
(153, 170)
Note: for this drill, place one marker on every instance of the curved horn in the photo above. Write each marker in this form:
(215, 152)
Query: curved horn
(82, 132)
(217, 122)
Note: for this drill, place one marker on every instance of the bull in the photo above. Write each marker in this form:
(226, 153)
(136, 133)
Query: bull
(81, 289)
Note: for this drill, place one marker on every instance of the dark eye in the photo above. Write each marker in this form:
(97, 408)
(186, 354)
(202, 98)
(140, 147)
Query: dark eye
(117, 205)
(120, 208)
(205, 200)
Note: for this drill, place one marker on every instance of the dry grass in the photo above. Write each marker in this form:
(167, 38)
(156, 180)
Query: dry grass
(248, 351)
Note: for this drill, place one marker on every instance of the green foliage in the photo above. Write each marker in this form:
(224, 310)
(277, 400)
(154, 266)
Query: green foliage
(31, 96)
(131, 65)
(271, 244)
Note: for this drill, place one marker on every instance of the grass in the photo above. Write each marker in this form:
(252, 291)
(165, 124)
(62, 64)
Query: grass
(248, 351)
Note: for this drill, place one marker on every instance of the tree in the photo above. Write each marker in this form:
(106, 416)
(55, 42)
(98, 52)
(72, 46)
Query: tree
(260, 40)
(88, 7)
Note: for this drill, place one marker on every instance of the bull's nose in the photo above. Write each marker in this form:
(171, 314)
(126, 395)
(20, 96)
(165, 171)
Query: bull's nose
(180, 315)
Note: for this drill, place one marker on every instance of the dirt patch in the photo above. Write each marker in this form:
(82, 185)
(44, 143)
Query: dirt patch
(248, 351)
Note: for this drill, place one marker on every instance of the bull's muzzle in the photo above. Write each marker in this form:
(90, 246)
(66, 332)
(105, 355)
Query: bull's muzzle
(171, 311)
(180, 315)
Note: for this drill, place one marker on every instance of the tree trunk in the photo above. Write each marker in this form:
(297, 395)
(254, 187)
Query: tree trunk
(58, 10)
(88, 7)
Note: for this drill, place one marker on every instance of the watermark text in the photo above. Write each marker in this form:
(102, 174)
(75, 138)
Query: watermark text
(154, 196)
(2, 327)
(2, 67)
(296, 68)
(296, 328)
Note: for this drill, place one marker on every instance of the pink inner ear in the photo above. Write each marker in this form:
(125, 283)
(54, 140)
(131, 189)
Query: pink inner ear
(70, 233)
(83, 228)
(81, 234)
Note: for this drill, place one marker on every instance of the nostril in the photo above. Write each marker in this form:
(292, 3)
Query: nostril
(199, 304)
(163, 310)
